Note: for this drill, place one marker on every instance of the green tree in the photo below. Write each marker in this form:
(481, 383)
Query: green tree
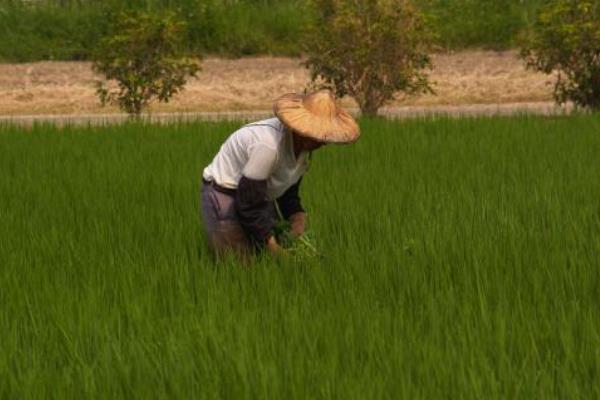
(566, 40)
(143, 55)
(369, 49)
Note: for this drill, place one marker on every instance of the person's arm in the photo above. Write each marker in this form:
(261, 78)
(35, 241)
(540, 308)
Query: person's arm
(292, 210)
(252, 206)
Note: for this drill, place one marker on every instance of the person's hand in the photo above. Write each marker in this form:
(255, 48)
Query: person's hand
(298, 223)
(275, 249)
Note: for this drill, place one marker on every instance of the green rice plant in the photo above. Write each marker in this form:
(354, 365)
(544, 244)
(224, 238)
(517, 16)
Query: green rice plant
(459, 260)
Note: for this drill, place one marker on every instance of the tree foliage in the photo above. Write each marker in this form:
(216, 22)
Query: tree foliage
(566, 40)
(369, 49)
(143, 55)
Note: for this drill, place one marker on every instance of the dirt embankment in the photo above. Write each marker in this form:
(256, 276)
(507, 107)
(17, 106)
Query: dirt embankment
(473, 77)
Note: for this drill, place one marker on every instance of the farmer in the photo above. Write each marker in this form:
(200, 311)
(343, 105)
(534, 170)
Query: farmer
(263, 163)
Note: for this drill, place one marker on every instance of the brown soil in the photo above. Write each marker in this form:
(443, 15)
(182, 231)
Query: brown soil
(472, 77)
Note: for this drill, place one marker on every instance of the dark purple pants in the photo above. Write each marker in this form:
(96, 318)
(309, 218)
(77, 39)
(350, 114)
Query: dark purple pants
(221, 223)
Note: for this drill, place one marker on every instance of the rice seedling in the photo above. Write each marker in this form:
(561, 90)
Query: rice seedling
(299, 247)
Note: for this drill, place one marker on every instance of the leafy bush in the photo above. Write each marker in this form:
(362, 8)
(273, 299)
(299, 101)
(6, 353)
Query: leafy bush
(566, 40)
(369, 49)
(144, 56)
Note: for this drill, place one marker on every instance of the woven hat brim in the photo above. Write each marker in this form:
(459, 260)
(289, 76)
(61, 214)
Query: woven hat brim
(341, 128)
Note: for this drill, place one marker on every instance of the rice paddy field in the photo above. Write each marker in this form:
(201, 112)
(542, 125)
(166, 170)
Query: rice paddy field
(459, 259)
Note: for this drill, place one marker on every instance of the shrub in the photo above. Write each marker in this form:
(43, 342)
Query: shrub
(369, 49)
(143, 55)
(566, 40)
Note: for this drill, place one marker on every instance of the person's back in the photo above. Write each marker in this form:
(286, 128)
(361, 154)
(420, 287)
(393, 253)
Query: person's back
(261, 150)
(227, 166)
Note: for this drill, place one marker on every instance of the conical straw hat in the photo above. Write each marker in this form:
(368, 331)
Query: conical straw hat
(316, 116)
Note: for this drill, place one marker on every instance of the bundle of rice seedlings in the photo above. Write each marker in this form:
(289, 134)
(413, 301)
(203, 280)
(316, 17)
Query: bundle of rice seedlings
(299, 247)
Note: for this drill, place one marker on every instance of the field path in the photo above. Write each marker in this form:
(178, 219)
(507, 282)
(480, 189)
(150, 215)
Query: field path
(537, 108)
(470, 82)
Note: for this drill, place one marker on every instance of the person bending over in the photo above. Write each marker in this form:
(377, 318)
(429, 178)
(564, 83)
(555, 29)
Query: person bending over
(262, 164)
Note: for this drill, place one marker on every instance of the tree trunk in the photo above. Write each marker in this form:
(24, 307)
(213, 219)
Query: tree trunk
(369, 108)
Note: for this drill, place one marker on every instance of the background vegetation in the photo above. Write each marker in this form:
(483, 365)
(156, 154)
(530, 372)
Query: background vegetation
(465, 267)
(369, 50)
(566, 41)
(144, 56)
(69, 29)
